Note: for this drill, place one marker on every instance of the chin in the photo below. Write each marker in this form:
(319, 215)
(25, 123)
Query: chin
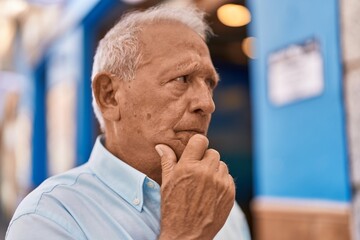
(181, 141)
(177, 146)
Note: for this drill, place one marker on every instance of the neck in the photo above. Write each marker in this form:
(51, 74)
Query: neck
(142, 157)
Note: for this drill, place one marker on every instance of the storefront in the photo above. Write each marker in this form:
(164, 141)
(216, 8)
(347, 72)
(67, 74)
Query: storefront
(280, 122)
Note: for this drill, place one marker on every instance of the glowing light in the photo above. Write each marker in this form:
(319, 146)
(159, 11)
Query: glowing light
(12, 8)
(247, 46)
(234, 15)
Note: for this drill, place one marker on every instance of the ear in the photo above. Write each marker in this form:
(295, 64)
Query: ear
(105, 87)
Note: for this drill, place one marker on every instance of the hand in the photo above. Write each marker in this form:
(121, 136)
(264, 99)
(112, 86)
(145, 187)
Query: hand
(197, 192)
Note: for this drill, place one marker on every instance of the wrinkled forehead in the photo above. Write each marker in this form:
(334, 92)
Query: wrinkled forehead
(171, 34)
(170, 39)
(162, 24)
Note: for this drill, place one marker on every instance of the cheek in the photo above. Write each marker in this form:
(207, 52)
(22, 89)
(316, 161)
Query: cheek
(160, 119)
(155, 112)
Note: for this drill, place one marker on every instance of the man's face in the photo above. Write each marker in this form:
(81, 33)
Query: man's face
(170, 98)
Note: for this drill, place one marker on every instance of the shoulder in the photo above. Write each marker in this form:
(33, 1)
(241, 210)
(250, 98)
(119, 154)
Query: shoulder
(37, 226)
(49, 188)
(46, 205)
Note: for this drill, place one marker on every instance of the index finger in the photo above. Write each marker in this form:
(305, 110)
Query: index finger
(195, 149)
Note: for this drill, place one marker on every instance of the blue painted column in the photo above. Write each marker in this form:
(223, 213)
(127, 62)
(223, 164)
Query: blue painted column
(86, 122)
(39, 145)
(300, 148)
(84, 116)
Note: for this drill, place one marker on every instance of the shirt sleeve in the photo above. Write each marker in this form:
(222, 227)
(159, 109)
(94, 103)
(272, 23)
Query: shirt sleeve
(34, 226)
(235, 227)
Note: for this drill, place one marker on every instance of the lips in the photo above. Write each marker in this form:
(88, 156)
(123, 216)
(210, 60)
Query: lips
(184, 134)
(186, 129)
(199, 126)
(192, 131)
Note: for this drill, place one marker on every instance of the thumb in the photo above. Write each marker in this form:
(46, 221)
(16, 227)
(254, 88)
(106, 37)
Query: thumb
(168, 160)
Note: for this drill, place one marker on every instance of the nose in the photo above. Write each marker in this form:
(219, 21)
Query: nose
(202, 100)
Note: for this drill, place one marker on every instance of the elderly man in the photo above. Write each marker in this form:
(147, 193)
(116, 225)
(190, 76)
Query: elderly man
(152, 82)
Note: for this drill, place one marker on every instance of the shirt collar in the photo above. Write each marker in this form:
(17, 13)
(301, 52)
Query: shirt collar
(125, 180)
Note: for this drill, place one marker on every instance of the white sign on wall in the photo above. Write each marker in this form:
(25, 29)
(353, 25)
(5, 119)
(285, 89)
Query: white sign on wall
(295, 73)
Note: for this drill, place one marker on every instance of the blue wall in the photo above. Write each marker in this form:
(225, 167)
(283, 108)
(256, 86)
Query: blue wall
(86, 129)
(39, 146)
(300, 148)
(230, 129)
(86, 122)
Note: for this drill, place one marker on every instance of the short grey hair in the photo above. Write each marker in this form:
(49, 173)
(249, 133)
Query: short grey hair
(119, 52)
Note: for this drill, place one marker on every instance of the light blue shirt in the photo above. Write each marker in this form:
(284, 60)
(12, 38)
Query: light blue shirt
(102, 199)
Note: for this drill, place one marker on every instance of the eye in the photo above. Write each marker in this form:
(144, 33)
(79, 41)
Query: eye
(181, 79)
(211, 83)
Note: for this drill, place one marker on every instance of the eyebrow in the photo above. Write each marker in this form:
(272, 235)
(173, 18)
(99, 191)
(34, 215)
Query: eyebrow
(194, 66)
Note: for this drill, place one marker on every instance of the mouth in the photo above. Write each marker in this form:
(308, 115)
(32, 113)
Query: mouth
(185, 134)
(192, 130)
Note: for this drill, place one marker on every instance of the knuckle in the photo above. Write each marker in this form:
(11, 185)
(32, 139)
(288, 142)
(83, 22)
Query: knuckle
(232, 186)
(224, 166)
(213, 153)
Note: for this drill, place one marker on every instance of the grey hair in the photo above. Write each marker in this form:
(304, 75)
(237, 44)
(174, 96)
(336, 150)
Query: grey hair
(119, 52)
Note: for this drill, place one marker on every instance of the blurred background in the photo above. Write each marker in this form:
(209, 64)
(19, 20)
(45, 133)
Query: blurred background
(287, 121)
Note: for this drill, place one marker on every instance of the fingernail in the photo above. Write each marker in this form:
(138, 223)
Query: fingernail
(159, 150)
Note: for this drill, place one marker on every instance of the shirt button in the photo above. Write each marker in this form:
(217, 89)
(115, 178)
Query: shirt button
(136, 201)
(150, 184)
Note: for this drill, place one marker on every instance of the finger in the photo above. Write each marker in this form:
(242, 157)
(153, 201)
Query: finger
(168, 160)
(212, 159)
(195, 148)
(232, 181)
(223, 169)
(232, 185)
